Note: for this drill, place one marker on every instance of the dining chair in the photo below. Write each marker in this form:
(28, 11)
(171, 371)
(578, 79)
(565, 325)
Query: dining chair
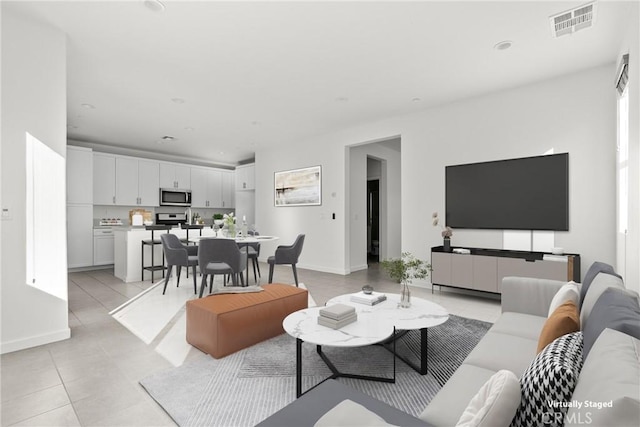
(220, 256)
(178, 255)
(287, 255)
(252, 249)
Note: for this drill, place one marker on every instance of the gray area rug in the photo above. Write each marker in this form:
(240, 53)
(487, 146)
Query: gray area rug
(248, 386)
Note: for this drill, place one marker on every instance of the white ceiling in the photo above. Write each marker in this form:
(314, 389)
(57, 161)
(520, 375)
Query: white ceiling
(256, 74)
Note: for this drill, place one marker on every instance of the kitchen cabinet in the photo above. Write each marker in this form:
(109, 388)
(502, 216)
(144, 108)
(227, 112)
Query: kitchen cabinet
(104, 179)
(245, 177)
(126, 181)
(137, 182)
(199, 183)
(175, 176)
(148, 185)
(228, 189)
(79, 175)
(79, 236)
(212, 188)
(103, 247)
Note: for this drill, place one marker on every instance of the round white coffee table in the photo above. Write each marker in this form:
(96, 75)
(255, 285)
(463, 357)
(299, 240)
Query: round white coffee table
(422, 315)
(303, 326)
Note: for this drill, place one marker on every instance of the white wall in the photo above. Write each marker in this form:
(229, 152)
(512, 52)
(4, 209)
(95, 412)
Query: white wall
(34, 101)
(573, 113)
(631, 45)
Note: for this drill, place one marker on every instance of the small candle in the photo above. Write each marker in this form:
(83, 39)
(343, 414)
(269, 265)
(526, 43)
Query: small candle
(244, 217)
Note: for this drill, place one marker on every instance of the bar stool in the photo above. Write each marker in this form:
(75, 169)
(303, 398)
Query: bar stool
(152, 243)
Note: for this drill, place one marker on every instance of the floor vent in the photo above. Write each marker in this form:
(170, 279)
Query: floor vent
(573, 20)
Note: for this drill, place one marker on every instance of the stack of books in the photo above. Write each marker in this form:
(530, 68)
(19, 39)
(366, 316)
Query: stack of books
(336, 316)
(369, 299)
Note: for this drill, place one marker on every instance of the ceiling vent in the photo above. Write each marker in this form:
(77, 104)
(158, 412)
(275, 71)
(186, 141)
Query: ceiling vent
(573, 20)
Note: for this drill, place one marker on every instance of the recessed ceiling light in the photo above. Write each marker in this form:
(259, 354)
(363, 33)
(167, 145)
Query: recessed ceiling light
(416, 100)
(222, 152)
(154, 5)
(88, 106)
(503, 45)
(178, 100)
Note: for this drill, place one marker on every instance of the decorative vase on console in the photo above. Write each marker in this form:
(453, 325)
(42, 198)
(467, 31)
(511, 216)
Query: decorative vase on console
(404, 270)
(447, 244)
(447, 232)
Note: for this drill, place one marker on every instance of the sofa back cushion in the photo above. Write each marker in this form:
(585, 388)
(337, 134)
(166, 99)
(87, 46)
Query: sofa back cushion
(616, 309)
(600, 283)
(563, 320)
(596, 267)
(610, 376)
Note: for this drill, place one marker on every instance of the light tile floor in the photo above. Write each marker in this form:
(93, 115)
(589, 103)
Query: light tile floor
(92, 378)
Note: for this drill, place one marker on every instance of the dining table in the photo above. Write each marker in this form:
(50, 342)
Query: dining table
(242, 241)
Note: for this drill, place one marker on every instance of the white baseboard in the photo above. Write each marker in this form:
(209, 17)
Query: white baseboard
(324, 269)
(355, 268)
(21, 344)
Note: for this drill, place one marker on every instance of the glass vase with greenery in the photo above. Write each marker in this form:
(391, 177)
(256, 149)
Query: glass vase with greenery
(404, 270)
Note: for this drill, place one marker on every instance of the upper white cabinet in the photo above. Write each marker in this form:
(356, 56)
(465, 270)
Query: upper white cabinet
(136, 182)
(79, 175)
(245, 177)
(148, 184)
(175, 176)
(104, 179)
(212, 188)
(126, 181)
(199, 183)
(228, 189)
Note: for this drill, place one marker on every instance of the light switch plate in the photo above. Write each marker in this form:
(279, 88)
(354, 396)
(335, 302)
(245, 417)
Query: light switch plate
(6, 214)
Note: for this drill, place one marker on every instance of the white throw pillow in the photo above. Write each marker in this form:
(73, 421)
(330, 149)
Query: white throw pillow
(495, 403)
(350, 413)
(568, 292)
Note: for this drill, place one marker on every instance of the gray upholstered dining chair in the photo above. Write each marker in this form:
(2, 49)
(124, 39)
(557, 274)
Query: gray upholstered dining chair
(220, 256)
(287, 255)
(252, 250)
(178, 255)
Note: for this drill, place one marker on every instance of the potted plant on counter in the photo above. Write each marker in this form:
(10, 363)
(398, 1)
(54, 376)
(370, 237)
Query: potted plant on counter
(218, 220)
(403, 270)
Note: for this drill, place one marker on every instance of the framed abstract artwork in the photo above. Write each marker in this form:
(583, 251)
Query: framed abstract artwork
(298, 187)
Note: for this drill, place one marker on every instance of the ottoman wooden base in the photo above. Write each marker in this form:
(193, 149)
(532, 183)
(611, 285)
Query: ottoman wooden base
(223, 324)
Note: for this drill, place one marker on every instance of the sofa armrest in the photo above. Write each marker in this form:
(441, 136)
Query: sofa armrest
(311, 406)
(527, 295)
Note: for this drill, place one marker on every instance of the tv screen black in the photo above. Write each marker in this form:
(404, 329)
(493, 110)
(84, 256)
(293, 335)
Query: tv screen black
(529, 193)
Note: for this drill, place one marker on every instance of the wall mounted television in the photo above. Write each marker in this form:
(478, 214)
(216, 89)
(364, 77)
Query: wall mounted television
(530, 193)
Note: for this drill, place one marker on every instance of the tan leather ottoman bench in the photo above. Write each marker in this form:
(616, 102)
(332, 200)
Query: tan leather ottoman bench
(223, 324)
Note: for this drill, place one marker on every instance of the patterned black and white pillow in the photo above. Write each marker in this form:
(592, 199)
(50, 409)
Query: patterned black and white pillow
(547, 384)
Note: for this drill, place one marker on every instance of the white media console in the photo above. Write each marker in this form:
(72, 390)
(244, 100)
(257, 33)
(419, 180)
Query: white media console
(484, 269)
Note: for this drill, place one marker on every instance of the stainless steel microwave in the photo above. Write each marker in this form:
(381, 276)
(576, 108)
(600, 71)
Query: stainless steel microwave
(175, 197)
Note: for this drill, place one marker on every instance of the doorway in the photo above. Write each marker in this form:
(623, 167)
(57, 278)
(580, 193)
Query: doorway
(373, 221)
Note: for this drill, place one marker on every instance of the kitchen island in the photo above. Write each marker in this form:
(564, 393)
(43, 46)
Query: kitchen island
(128, 254)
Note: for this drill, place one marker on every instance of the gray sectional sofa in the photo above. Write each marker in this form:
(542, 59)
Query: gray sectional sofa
(607, 391)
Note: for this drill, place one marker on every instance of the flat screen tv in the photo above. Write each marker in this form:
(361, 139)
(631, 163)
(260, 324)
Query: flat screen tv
(530, 193)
